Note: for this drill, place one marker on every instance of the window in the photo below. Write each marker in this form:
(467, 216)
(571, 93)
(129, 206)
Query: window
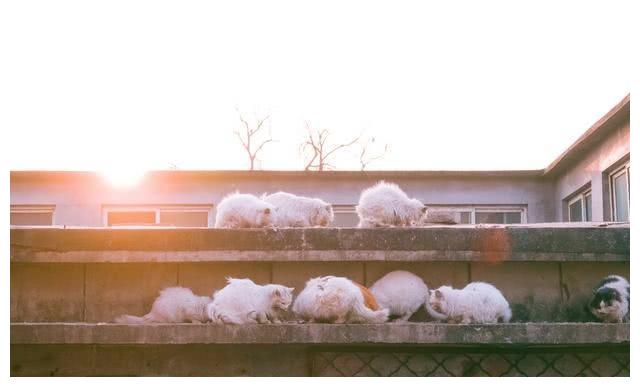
(579, 207)
(31, 215)
(619, 183)
(164, 215)
(486, 214)
(344, 215)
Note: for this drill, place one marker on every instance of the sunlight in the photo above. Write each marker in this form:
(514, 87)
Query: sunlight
(123, 177)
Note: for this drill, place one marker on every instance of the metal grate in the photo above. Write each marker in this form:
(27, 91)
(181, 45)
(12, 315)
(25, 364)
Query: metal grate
(495, 363)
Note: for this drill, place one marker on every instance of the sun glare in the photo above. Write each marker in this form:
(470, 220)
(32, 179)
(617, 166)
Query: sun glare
(123, 177)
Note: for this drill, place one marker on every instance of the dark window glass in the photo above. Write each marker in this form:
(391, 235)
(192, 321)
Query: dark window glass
(139, 218)
(31, 218)
(575, 211)
(512, 217)
(498, 217)
(184, 219)
(587, 207)
(621, 194)
(465, 217)
(345, 219)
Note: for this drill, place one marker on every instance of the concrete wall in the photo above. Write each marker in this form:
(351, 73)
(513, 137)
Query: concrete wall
(547, 274)
(99, 292)
(79, 198)
(590, 169)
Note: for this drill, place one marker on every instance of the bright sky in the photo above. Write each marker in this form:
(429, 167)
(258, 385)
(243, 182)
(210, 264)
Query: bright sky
(449, 85)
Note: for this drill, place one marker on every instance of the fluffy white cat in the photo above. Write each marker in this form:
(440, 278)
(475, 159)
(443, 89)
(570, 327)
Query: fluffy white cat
(478, 302)
(244, 302)
(337, 300)
(299, 211)
(386, 205)
(173, 305)
(403, 293)
(610, 301)
(244, 211)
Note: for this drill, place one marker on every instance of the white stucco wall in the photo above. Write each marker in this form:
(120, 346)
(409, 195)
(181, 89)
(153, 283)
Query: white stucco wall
(590, 169)
(79, 198)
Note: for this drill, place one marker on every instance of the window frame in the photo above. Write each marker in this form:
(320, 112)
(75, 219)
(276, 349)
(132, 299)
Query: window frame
(582, 197)
(156, 209)
(513, 209)
(623, 169)
(33, 209)
(473, 209)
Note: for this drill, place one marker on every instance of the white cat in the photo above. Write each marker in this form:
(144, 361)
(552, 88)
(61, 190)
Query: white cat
(403, 293)
(244, 302)
(337, 300)
(610, 301)
(299, 211)
(478, 302)
(173, 305)
(386, 205)
(243, 211)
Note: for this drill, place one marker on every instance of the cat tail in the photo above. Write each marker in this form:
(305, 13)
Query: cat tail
(506, 315)
(371, 316)
(433, 313)
(128, 319)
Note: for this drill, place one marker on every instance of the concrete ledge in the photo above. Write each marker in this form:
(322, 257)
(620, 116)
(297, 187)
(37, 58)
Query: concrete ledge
(453, 243)
(327, 334)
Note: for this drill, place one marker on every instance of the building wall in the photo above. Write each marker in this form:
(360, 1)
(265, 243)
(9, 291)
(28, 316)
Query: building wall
(593, 168)
(79, 198)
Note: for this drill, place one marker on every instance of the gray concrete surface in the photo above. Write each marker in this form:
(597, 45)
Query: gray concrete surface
(326, 334)
(429, 244)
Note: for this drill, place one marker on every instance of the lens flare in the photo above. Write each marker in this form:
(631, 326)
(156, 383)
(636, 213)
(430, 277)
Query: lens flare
(123, 177)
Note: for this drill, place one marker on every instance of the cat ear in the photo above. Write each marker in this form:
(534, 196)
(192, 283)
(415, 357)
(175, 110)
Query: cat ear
(291, 289)
(267, 211)
(276, 292)
(438, 293)
(424, 210)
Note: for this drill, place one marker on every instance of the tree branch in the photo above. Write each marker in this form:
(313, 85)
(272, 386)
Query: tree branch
(251, 134)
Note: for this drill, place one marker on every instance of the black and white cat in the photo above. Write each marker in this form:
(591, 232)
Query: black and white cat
(611, 299)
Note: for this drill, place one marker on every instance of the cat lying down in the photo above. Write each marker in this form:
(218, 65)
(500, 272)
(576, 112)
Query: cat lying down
(476, 303)
(403, 293)
(338, 300)
(238, 210)
(610, 300)
(299, 211)
(244, 302)
(386, 205)
(173, 305)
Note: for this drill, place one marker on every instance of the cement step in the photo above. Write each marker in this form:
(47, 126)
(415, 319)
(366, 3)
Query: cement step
(467, 243)
(324, 334)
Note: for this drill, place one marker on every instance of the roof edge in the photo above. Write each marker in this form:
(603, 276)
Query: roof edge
(27, 174)
(602, 125)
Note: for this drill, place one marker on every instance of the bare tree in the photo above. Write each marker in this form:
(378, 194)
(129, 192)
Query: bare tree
(316, 144)
(366, 157)
(248, 136)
